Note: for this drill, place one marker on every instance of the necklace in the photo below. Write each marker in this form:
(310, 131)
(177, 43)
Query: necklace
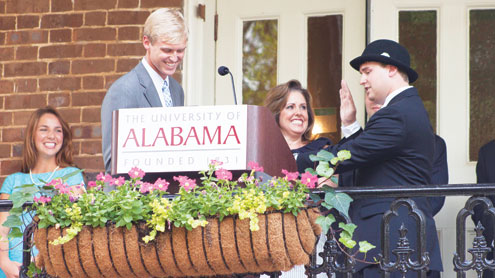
(48, 180)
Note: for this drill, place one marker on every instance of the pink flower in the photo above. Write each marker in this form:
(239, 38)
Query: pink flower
(223, 174)
(42, 199)
(100, 177)
(290, 176)
(187, 183)
(145, 187)
(161, 184)
(118, 181)
(55, 182)
(92, 184)
(255, 166)
(309, 180)
(135, 172)
(216, 162)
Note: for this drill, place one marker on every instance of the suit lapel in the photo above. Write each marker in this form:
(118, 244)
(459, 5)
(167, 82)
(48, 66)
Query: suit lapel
(174, 91)
(149, 90)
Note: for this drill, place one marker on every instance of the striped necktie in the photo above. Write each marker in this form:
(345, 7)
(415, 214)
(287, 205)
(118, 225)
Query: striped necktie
(166, 94)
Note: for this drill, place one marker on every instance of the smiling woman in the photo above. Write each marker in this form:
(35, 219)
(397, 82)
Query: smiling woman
(47, 154)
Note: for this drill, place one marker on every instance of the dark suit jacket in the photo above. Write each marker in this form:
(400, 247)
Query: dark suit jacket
(439, 173)
(395, 148)
(135, 89)
(485, 173)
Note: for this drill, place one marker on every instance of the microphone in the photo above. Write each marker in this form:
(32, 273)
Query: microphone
(223, 70)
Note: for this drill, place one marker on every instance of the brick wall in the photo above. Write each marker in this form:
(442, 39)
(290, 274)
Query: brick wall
(65, 53)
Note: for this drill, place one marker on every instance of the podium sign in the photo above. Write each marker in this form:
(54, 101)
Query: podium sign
(179, 139)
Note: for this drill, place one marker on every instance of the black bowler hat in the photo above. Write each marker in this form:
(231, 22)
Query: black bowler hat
(387, 52)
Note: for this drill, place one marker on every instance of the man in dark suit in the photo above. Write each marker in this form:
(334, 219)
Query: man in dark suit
(485, 173)
(395, 148)
(150, 83)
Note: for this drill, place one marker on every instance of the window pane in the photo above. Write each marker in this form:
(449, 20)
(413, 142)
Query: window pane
(325, 72)
(412, 26)
(481, 79)
(259, 60)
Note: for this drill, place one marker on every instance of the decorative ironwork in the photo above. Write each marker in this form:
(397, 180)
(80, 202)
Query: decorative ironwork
(480, 248)
(403, 252)
(330, 256)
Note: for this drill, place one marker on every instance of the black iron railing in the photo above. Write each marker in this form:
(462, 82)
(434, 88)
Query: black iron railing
(331, 256)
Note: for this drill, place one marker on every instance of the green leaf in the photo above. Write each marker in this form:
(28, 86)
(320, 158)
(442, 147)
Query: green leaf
(340, 202)
(12, 221)
(349, 228)
(67, 176)
(334, 179)
(344, 155)
(334, 160)
(365, 246)
(315, 197)
(311, 171)
(323, 169)
(15, 232)
(347, 241)
(325, 222)
(325, 155)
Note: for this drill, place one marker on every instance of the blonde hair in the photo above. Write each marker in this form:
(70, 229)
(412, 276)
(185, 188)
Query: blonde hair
(166, 23)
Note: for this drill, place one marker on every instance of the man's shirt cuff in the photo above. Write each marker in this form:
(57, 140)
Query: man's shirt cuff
(350, 129)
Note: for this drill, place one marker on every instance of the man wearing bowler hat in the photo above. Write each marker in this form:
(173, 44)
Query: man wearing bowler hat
(395, 148)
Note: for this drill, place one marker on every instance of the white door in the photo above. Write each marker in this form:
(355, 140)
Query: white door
(449, 42)
(291, 19)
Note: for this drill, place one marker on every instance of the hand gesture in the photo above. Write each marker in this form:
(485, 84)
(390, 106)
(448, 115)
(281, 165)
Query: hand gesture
(347, 107)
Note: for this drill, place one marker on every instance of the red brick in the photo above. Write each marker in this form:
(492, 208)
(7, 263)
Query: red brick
(25, 69)
(87, 99)
(60, 84)
(126, 49)
(128, 3)
(93, 82)
(15, 134)
(61, 5)
(7, 22)
(59, 67)
(2, 38)
(109, 79)
(59, 99)
(25, 85)
(22, 117)
(71, 115)
(6, 86)
(27, 37)
(94, 4)
(5, 150)
(125, 65)
(27, 6)
(86, 132)
(2, 7)
(61, 20)
(28, 21)
(6, 53)
(91, 115)
(90, 163)
(95, 34)
(95, 18)
(129, 34)
(76, 146)
(95, 50)
(90, 147)
(61, 51)
(61, 35)
(26, 53)
(11, 166)
(127, 17)
(93, 66)
(25, 101)
(5, 118)
(17, 150)
(161, 3)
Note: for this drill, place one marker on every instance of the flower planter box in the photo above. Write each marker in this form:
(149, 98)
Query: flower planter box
(220, 248)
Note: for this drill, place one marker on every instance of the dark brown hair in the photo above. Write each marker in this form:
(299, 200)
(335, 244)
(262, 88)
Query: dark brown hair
(30, 153)
(276, 100)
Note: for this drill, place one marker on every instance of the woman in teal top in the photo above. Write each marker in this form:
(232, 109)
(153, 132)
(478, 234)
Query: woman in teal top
(47, 154)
